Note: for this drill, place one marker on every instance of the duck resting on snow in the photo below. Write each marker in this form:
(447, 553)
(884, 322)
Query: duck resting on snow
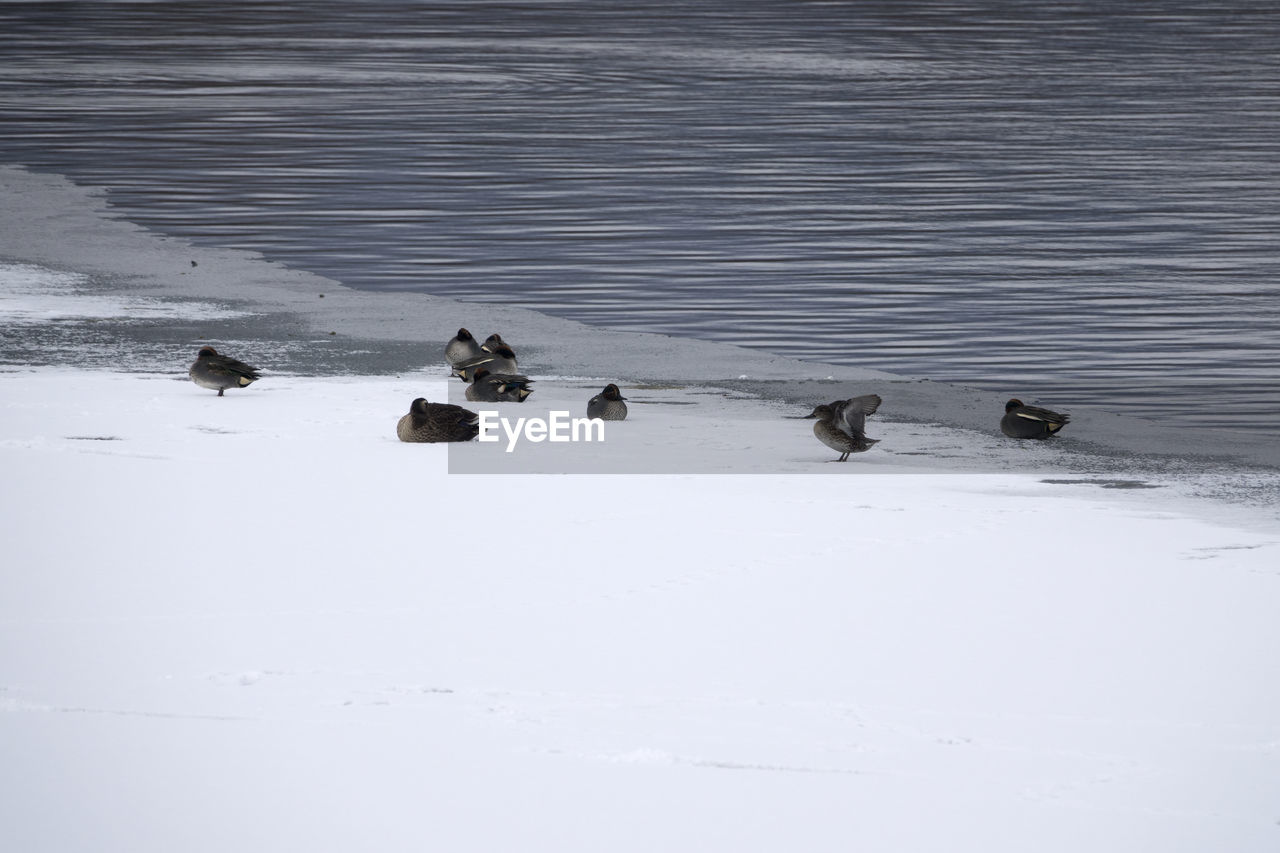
(435, 422)
(219, 372)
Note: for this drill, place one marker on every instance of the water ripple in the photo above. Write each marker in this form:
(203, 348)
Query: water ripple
(1066, 202)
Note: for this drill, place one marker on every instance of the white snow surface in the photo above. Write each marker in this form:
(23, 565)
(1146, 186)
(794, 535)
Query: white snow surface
(261, 623)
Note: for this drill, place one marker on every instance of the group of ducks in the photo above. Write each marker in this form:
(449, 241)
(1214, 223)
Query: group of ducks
(490, 369)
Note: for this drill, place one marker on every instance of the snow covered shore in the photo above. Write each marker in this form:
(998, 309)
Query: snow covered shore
(261, 623)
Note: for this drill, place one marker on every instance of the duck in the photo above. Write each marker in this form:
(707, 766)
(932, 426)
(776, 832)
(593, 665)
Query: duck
(850, 416)
(839, 436)
(433, 422)
(489, 387)
(461, 347)
(501, 360)
(1022, 421)
(219, 372)
(608, 405)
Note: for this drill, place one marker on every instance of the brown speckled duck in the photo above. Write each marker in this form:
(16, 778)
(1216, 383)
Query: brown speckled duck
(838, 434)
(434, 422)
(850, 416)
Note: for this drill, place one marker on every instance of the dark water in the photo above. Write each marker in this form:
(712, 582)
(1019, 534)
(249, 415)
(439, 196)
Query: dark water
(1074, 202)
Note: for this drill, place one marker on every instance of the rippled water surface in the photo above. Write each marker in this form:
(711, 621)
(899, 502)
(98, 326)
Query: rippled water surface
(1066, 201)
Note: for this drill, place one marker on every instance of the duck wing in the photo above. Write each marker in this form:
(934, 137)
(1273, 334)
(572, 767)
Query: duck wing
(1035, 413)
(851, 414)
(227, 366)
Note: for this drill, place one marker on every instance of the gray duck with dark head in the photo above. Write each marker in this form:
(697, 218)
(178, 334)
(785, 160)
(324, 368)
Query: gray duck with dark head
(1021, 421)
(462, 347)
(608, 405)
(489, 387)
(501, 360)
(220, 372)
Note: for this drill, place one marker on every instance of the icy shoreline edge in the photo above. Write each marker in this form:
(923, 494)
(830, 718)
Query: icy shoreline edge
(51, 221)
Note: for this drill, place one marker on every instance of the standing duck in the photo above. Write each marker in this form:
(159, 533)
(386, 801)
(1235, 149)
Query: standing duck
(850, 416)
(608, 405)
(1021, 421)
(839, 436)
(489, 387)
(434, 422)
(501, 360)
(462, 347)
(219, 372)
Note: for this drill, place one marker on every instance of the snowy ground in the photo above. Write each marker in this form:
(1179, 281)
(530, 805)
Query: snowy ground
(262, 623)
